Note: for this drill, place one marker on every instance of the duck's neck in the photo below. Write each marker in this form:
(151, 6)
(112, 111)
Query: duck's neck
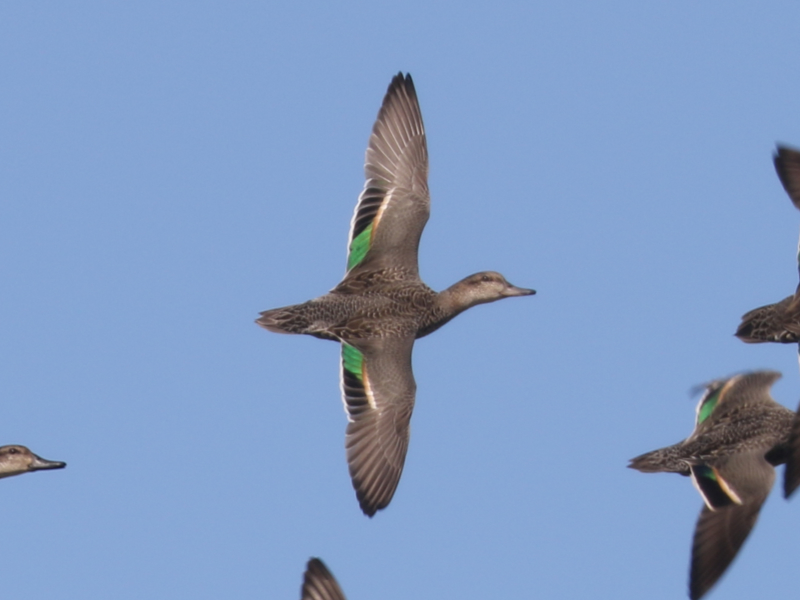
(456, 299)
(448, 304)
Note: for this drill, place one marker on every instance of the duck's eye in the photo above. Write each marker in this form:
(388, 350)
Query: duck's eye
(13, 450)
(486, 278)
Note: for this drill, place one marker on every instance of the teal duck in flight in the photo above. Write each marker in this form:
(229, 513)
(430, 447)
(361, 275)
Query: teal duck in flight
(740, 435)
(319, 583)
(16, 460)
(778, 322)
(381, 306)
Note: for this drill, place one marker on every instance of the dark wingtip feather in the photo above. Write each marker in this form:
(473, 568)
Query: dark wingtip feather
(400, 81)
(787, 165)
(373, 494)
(368, 508)
(790, 483)
(319, 583)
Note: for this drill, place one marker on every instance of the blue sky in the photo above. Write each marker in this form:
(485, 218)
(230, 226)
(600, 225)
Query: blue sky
(170, 169)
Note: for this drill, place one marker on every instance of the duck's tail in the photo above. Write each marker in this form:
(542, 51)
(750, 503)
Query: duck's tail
(298, 318)
(287, 319)
(770, 323)
(663, 460)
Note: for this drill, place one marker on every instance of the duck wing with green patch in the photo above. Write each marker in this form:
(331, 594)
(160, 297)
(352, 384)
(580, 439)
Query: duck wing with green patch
(395, 204)
(319, 583)
(378, 390)
(725, 400)
(734, 489)
(708, 402)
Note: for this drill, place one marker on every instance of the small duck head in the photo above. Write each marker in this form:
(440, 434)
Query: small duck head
(15, 460)
(483, 287)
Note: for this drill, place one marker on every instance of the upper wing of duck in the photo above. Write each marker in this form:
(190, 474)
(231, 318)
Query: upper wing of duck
(395, 204)
(742, 478)
(787, 165)
(722, 398)
(319, 583)
(378, 391)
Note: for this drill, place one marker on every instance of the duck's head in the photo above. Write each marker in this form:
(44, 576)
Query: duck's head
(486, 286)
(15, 460)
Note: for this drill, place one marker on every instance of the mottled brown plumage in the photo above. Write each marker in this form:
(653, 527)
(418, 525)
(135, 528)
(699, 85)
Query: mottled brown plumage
(779, 322)
(381, 306)
(741, 433)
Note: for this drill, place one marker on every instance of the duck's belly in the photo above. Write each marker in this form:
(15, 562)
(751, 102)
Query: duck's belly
(369, 316)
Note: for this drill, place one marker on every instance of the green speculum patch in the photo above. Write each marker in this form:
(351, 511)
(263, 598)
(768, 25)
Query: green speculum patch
(353, 361)
(707, 472)
(359, 247)
(708, 407)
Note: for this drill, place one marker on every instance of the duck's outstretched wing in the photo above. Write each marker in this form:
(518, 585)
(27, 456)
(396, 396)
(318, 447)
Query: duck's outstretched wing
(787, 165)
(395, 204)
(724, 398)
(319, 583)
(718, 537)
(734, 488)
(378, 390)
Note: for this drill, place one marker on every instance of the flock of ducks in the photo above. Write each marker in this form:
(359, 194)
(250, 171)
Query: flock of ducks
(740, 435)
(382, 306)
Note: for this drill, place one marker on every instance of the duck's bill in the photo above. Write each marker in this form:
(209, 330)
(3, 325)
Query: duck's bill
(41, 464)
(513, 290)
